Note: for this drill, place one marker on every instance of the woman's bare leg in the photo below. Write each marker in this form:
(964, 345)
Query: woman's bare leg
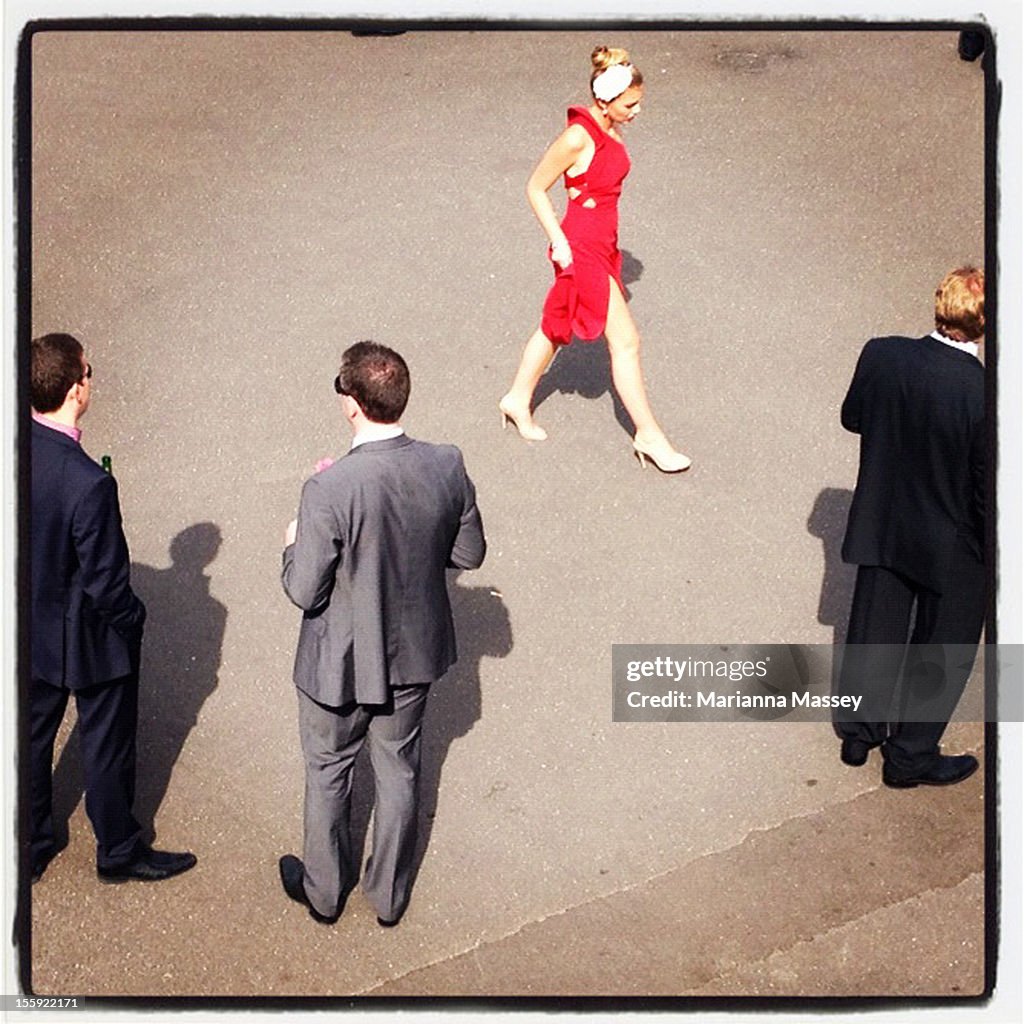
(515, 405)
(624, 350)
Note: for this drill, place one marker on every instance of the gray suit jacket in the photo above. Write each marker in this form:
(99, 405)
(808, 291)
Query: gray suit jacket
(376, 532)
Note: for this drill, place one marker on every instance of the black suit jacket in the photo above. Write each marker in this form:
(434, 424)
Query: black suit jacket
(376, 532)
(919, 407)
(86, 622)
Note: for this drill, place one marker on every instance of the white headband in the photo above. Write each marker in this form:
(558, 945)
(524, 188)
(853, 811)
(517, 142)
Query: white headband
(613, 81)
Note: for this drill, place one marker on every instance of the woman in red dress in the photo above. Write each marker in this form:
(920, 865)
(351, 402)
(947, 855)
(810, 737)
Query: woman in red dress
(587, 298)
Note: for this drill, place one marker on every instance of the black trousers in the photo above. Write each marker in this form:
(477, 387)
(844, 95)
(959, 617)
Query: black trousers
(107, 720)
(933, 665)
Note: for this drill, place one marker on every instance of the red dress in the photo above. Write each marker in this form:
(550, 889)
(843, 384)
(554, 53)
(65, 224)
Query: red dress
(578, 301)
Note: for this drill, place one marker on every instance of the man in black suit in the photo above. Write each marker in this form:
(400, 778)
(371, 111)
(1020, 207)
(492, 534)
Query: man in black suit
(916, 533)
(366, 561)
(86, 625)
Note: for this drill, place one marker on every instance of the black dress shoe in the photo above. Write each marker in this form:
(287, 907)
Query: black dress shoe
(148, 866)
(388, 924)
(292, 873)
(854, 752)
(943, 771)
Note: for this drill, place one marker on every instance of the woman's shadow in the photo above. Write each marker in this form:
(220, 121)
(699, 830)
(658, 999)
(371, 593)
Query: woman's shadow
(181, 652)
(584, 368)
(483, 630)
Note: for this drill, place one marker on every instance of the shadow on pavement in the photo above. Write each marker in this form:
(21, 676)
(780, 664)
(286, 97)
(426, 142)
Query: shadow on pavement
(827, 521)
(180, 658)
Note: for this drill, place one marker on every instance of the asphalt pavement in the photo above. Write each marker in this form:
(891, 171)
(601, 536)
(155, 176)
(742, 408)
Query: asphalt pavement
(218, 215)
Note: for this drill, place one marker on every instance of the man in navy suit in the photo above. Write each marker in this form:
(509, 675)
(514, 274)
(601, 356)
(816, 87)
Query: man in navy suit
(366, 563)
(86, 625)
(916, 533)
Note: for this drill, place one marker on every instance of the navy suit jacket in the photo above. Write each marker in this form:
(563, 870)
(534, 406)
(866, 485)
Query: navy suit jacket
(919, 407)
(376, 532)
(86, 622)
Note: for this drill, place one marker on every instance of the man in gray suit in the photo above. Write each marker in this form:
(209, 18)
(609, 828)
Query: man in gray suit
(366, 561)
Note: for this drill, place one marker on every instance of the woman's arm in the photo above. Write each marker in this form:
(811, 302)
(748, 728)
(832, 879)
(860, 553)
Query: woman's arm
(564, 153)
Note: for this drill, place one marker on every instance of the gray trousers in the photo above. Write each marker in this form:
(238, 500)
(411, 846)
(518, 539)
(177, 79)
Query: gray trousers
(331, 739)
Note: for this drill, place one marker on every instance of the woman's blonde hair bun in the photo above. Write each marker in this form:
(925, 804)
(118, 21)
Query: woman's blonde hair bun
(605, 56)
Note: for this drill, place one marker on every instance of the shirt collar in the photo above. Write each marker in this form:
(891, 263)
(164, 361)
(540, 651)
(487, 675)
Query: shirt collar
(970, 347)
(377, 432)
(73, 432)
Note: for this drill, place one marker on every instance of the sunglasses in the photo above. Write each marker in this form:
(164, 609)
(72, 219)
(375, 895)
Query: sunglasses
(88, 372)
(338, 389)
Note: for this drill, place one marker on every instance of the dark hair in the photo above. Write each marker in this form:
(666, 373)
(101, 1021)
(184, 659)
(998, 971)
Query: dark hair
(377, 378)
(56, 369)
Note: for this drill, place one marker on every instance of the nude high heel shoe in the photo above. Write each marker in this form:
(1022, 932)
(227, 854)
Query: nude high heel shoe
(527, 431)
(664, 457)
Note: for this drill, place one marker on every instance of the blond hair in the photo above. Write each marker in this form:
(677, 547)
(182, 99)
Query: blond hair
(605, 57)
(960, 304)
